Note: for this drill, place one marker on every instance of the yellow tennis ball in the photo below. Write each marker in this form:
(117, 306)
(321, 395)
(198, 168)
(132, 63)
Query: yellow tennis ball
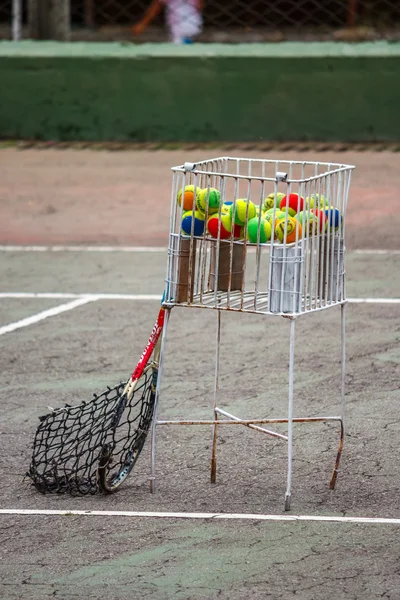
(269, 214)
(187, 197)
(317, 201)
(288, 231)
(273, 200)
(242, 210)
(208, 200)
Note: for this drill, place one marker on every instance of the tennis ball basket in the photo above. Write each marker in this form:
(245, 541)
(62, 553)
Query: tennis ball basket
(258, 236)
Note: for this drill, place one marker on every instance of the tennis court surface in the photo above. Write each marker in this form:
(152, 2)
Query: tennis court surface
(75, 319)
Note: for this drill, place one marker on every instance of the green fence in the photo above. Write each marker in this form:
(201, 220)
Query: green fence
(286, 91)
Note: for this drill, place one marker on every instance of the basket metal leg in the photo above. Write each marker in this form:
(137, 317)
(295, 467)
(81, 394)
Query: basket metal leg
(290, 416)
(155, 414)
(213, 474)
(343, 340)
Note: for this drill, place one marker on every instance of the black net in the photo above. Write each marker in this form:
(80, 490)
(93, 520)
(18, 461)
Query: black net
(70, 441)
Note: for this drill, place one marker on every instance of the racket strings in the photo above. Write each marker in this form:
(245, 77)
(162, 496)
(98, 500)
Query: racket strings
(69, 441)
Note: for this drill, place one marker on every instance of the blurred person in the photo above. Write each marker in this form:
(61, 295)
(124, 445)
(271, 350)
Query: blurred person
(184, 19)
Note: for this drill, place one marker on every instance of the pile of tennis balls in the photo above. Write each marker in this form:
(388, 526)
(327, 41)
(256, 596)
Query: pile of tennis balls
(293, 213)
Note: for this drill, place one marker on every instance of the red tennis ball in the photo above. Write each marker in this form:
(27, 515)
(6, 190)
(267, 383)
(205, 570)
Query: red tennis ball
(238, 232)
(322, 220)
(292, 203)
(223, 225)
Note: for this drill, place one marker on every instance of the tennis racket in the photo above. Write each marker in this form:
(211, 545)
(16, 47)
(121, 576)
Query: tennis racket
(94, 446)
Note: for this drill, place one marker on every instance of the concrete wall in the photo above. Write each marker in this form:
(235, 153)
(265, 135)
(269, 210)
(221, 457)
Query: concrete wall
(205, 92)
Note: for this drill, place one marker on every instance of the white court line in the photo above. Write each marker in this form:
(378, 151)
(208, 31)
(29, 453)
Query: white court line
(139, 297)
(45, 314)
(372, 251)
(89, 297)
(142, 249)
(189, 515)
(82, 249)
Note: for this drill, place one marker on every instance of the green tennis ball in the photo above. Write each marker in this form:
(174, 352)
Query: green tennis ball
(258, 229)
(273, 200)
(208, 199)
(242, 210)
(187, 219)
(317, 201)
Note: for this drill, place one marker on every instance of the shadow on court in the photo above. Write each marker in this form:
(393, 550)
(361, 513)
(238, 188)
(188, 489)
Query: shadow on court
(67, 357)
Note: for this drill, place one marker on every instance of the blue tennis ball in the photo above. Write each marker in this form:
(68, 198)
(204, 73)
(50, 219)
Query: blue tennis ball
(187, 219)
(334, 218)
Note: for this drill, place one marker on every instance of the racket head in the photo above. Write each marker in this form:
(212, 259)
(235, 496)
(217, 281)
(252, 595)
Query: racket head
(94, 446)
(120, 453)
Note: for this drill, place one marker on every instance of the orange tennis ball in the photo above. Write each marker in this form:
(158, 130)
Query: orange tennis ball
(287, 231)
(292, 203)
(187, 197)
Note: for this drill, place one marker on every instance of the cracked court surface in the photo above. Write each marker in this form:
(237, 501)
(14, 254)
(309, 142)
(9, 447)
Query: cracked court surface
(47, 197)
(68, 355)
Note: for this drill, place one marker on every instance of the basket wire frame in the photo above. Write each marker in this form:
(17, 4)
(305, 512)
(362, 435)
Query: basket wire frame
(278, 278)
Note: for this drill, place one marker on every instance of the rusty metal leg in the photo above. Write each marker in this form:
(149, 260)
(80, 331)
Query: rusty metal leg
(155, 413)
(290, 416)
(332, 481)
(213, 475)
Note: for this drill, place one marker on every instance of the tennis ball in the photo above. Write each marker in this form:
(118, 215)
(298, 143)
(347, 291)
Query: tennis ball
(292, 203)
(269, 214)
(321, 218)
(258, 229)
(288, 231)
(225, 208)
(333, 216)
(223, 225)
(316, 201)
(273, 200)
(187, 196)
(208, 199)
(187, 219)
(238, 232)
(308, 221)
(242, 210)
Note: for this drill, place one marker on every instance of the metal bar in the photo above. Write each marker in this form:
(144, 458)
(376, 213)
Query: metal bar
(251, 426)
(290, 416)
(213, 474)
(332, 481)
(249, 421)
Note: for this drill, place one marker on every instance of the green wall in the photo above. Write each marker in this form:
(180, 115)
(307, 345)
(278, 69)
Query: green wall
(205, 92)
